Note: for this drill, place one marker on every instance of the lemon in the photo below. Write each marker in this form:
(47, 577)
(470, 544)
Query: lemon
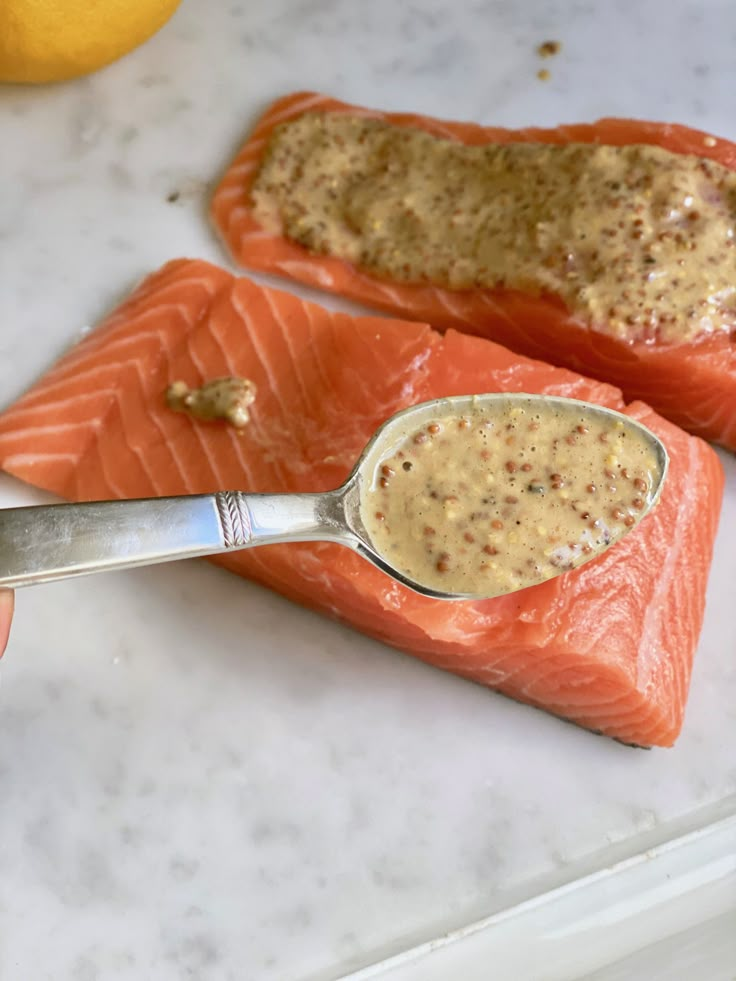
(51, 40)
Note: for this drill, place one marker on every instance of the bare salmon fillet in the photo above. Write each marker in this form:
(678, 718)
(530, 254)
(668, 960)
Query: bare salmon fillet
(692, 384)
(608, 646)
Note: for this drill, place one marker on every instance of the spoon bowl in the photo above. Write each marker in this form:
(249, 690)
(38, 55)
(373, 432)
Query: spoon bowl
(46, 543)
(402, 424)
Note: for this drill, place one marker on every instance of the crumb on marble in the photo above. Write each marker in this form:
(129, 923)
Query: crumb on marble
(547, 49)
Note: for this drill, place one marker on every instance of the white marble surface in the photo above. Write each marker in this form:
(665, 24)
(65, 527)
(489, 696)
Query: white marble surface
(197, 779)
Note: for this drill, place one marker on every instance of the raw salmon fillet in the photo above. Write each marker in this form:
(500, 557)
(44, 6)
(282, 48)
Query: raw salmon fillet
(608, 646)
(692, 384)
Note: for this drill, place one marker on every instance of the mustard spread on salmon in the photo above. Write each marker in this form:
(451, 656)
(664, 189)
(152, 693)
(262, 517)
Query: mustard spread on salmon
(221, 398)
(499, 499)
(636, 240)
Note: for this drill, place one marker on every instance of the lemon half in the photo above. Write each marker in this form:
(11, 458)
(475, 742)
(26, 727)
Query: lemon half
(51, 40)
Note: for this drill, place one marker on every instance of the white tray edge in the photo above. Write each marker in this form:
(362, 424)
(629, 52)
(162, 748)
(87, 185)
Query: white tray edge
(586, 924)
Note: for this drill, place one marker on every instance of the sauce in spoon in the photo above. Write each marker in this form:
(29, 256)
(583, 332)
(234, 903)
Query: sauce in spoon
(508, 493)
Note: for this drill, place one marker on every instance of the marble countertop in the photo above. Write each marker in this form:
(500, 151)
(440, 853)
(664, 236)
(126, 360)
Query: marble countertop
(199, 780)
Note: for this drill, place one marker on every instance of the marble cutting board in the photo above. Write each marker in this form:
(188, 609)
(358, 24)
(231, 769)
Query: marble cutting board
(199, 780)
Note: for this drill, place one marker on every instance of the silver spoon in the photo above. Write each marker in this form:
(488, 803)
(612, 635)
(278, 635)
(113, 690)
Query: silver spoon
(59, 541)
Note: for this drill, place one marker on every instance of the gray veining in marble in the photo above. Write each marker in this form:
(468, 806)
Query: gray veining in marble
(197, 779)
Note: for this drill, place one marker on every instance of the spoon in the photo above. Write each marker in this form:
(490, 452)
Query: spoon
(45, 543)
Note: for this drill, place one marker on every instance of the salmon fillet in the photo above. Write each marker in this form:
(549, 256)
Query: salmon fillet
(608, 646)
(693, 384)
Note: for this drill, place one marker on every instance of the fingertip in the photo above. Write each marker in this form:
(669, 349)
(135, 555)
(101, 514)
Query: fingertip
(7, 605)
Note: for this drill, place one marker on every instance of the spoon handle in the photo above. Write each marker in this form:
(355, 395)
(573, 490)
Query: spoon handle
(59, 541)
